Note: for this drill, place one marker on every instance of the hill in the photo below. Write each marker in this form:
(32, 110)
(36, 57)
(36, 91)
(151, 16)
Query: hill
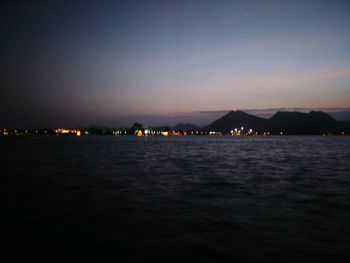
(314, 122)
(237, 119)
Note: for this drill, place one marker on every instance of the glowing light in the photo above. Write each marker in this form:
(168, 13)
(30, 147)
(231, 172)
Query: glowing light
(66, 131)
(165, 133)
(62, 131)
(281, 133)
(146, 132)
(242, 128)
(139, 133)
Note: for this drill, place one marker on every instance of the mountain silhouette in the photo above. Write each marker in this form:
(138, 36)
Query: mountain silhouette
(314, 122)
(237, 119)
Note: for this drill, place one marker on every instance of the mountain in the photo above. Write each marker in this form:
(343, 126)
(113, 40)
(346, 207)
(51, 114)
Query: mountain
(185, 127)
(314, 122)
(236, 119)
(345, 125)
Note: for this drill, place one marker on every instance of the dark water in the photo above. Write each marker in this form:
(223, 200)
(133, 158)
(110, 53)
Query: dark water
(203, 199)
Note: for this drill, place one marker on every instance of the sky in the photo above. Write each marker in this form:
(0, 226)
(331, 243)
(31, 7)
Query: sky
(71, 63)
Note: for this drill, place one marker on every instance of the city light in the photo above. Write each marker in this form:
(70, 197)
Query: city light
(64, 131)
(154, 131)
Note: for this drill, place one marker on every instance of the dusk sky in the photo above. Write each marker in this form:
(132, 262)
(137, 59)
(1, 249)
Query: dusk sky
(97, 62)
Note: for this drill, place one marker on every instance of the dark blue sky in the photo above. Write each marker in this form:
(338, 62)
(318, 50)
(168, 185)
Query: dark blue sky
(99, 62)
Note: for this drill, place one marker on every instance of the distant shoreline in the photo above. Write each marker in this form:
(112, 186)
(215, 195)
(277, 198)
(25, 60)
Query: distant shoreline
(234, 123)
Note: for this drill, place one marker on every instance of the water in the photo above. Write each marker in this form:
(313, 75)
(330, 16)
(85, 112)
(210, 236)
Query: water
(175, 199)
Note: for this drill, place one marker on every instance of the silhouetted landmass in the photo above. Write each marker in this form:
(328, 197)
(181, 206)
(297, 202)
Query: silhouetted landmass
(314, 122)
(234, 122)
(345, 125)
(236, 119)
(186, 127)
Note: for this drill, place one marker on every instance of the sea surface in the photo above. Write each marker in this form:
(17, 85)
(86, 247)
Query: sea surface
(175, 199)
